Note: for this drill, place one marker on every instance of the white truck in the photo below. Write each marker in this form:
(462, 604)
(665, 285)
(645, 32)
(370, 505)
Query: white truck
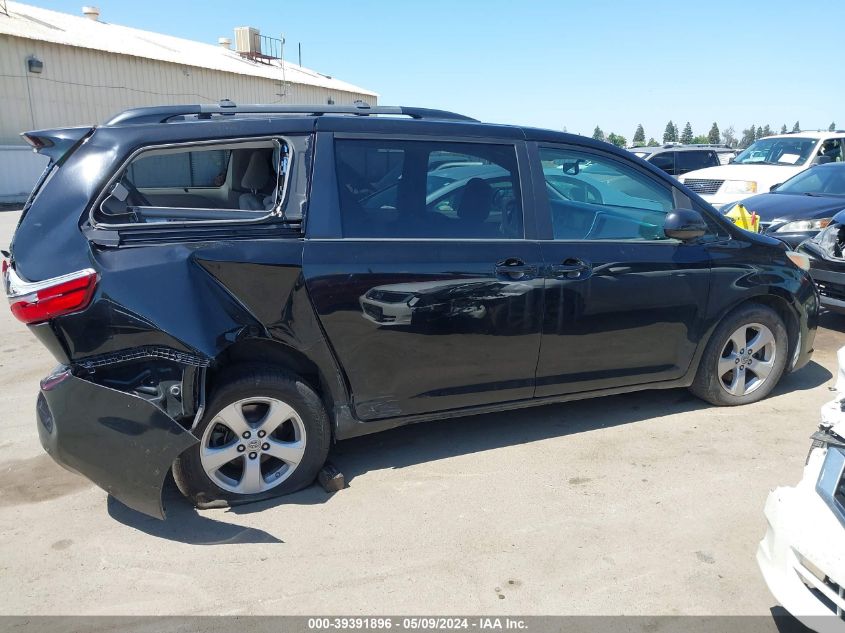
(764, 164)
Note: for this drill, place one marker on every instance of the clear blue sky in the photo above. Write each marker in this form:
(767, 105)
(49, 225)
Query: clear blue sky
(572, 64)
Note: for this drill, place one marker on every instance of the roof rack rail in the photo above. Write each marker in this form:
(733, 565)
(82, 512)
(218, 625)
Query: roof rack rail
(163, 114)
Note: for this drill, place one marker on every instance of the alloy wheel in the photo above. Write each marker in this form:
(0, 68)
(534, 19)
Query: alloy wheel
(747, 359)
(253, 445)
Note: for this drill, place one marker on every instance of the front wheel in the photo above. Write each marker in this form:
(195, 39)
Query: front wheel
(265, 434)
(744, 359)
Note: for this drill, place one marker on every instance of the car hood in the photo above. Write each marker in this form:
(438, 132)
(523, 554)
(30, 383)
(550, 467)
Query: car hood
(764, 175)
(786, 206)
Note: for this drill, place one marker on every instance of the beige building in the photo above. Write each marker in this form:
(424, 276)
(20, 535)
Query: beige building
(59, 70)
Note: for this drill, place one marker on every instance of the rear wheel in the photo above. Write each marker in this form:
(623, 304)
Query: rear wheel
(745, 358)
(266, 433)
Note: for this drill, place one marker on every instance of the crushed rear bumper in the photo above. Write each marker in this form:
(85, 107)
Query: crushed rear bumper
(121, 442)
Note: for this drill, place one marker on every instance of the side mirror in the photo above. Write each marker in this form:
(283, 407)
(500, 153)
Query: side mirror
(773, 187)
(684, 225)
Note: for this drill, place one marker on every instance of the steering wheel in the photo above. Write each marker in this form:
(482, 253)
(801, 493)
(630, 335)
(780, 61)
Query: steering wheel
(591, 193)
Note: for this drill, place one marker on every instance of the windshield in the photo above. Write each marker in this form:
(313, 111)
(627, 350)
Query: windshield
(823, 181)
(777, 151)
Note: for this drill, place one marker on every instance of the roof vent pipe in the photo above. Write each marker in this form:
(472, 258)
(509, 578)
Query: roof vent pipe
(92, 13)
(225, 42)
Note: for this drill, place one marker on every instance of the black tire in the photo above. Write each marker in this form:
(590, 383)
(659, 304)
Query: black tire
(242, 384)
(712, 387)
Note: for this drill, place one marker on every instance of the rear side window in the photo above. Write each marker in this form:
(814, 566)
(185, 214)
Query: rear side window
(422, 189)
(689, 161)
(665, 161)
(236, 181)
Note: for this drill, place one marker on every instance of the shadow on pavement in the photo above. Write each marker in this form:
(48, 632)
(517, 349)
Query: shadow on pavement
(184, 524)
(786, 623)
(810, 376)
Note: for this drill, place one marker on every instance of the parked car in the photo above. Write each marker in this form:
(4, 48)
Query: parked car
(207, 280)
(802, 206)
(827, 264)
(767, 162)
(802, 556)
(677, 160)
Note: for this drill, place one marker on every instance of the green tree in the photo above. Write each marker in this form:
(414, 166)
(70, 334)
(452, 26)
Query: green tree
(598, 134)
(729, 136)
(686, 137)
(796, 127)
(783, 129)
(670, 135)
(767, 131)
(639, 136)
(832, 127)
(748, 137)
(701, 139)
(713, 135)
(617, 139)
(758, 134)
(652, 142)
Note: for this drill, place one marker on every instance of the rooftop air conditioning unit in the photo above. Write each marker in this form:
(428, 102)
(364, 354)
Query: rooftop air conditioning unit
(248, 40)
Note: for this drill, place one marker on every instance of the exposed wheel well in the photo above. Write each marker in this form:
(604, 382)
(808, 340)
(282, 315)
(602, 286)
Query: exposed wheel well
(272, 353)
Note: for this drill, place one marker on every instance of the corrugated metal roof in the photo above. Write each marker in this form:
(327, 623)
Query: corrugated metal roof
(40, 24)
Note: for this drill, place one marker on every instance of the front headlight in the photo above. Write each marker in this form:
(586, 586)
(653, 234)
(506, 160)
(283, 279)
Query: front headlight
(739, 186)
(803, 225)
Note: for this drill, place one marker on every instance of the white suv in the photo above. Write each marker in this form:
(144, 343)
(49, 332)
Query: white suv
(767, 162)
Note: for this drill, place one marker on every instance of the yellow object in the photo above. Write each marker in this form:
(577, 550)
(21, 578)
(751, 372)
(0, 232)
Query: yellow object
(744, 218)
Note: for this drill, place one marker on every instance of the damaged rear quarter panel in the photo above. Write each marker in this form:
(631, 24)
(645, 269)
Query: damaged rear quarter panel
(155, 295)
(198, 298)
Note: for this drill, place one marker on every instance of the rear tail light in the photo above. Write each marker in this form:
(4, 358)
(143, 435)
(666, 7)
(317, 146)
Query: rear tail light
(34, 302)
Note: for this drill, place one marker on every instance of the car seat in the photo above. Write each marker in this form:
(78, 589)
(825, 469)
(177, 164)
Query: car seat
(474, 209)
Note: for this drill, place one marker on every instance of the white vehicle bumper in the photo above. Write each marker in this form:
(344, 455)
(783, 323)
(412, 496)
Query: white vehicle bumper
(802, 556)
(719, 199)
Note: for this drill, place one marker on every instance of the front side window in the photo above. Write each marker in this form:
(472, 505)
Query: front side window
(236, 181)
(597, 198)
(832, 150)
(777, 151)
(427, 189)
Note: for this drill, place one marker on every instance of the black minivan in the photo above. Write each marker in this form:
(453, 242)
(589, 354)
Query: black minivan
(229, 289)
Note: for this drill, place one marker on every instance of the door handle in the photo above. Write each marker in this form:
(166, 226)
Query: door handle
(515, 268)
(571, 268)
